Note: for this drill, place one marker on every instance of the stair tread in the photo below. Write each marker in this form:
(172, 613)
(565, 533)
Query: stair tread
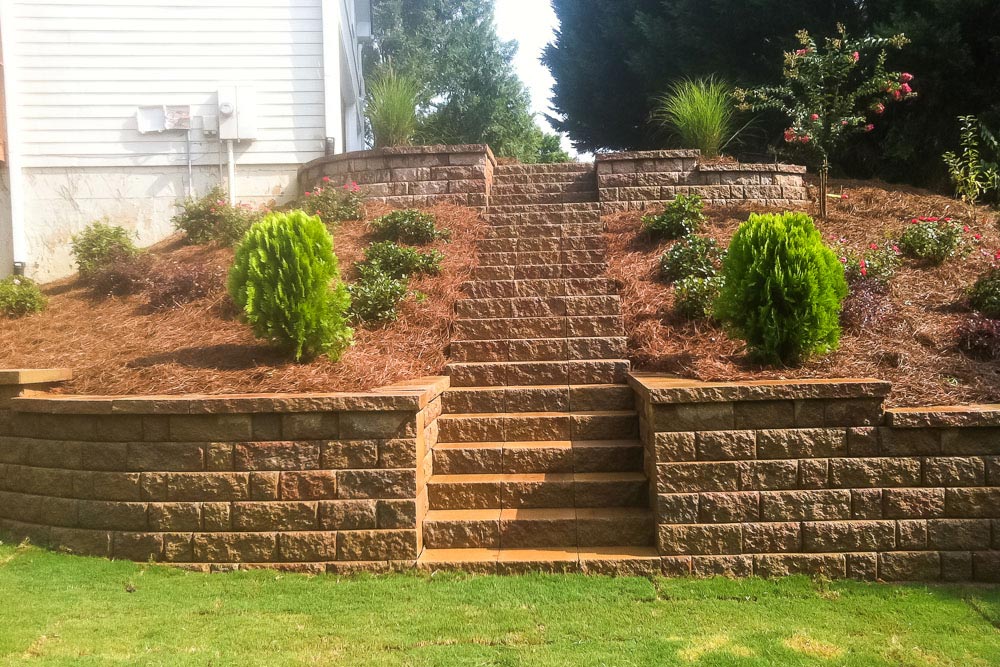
(528, 555)
(539, 477)
(541, 444)
(520, 415)
(540, 514)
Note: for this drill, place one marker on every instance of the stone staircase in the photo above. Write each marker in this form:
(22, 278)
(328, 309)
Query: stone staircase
(538, 464)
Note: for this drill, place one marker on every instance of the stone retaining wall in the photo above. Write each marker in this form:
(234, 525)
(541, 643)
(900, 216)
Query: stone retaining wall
(775, 478)
(410, 176)
(310, 483)
(635, 181)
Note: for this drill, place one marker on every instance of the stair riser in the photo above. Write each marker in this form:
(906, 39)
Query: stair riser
(533, 373)
(522, 218)
(539, 272)
(511, 180)
(527, 534)
(551, 244)
(540, 169)
(548, 209)
(553, 349)
(541, 199)
(535, 495)
(540, 230)
(520, 428)
(506, 188)
(596, 306)
(550, 257)
(537, 327)
(536, 459)
(538, 399)
(509, 289)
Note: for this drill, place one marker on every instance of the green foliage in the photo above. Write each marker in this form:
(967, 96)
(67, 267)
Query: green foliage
(931, 239)
(876, 264)
(700, 113)
(985, 295)
(20, 296)
(683, 216)
(286, 281)
(550, 150)
(391, 108)
(376, 296)
(971, 174)
(782, 289)
(691, 257)
(211, 219)
(695, 296)
(401, 262)
(332, 204)
(832, 92)
(408, 226)
(101, 246)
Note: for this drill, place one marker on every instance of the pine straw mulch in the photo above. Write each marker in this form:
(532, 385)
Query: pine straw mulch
(913, 346)
(118, 346)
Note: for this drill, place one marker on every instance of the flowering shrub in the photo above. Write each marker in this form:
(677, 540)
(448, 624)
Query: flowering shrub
(694, 256)
(20, 296)
(876, 264)
(100, 247)
(683, 216)
(931, 239)
(782, 288)
(334, 205)
(866, 305)
(979, 338)
(211, 219)
(984, 296)
(695, 296)
(376, 296)
(400, 262)
(408, 226)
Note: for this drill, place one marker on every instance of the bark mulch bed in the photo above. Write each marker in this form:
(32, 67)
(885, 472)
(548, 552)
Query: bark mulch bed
(119, 346)
(913, 346)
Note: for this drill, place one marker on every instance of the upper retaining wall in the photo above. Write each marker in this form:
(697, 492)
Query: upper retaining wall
(635, 181)
(313, 483)
(411, 175)
(775, 478)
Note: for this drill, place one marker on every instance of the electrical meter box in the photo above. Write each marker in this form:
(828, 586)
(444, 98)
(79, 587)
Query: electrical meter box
(237, 113)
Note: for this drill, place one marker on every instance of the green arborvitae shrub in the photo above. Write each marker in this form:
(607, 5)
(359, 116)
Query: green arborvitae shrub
(694, 256)
(20, 296)
(683, 216)
(931, 239)
(211, 219)
(984, 296)
(695, 296)
(286, 281)
(408, 226)
(376, 296)
(400, 262)
(101, 247)
(783, 288)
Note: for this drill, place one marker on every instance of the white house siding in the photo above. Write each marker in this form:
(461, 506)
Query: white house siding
(84, 66)
(6, 239)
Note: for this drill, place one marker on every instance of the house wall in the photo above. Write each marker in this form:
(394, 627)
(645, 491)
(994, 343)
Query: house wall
(84, 67)
(6, 237)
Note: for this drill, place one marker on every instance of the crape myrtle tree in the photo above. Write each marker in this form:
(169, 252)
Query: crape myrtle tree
(832, 92)
(470, 92)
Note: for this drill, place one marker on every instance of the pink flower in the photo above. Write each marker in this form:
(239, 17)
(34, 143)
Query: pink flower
(873, 246)
(906, 77)
(966, 229)
(978, 237)
(789, 135)
(326, 179)
(930, 219)
(308, 194)
(843, 260)
(905, 88)
(897, 95)
(814, 117)
(896, 249)
(804, 139)
(802, 52)
(856, 56)
(844, 123)
(880, 108)
(843, 195)
(869, 127)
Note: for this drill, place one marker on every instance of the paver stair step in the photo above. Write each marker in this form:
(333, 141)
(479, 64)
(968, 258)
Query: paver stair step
(545, 244)
(612, 561)
(520, 373)
(553, 306)
(543, 198)
(505, 328)
(552, 456)
(539, 271)
(538, 398)
(607, 348)
(543, 230)
(538, 426)
(601, 489)
(538, 258)
(548, 168)
(532, 528)
(510, 180)
(543, 287)
(520, 218)
(561, 207)
(507, 187)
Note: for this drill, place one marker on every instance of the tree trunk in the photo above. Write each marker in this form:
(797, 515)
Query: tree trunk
(824, 181)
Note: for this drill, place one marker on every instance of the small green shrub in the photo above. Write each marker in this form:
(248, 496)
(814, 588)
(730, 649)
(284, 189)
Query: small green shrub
(129, 276)
(701, 113)
(211, 219)
(392, 107)
(100, 247)
(782, 288)
(286, 281)
(876, 265)
(984, 296)
(691, 257)
(695, 296)
(408, 226)
(683, 216)
(376, 296)
(334, 205)
(20, 296)
(931, 239)
(401, 262)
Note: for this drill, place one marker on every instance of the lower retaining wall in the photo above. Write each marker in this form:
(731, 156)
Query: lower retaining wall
(310, 483)
(777, 478)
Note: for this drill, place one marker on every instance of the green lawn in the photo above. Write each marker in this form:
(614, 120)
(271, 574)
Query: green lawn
(62, 610)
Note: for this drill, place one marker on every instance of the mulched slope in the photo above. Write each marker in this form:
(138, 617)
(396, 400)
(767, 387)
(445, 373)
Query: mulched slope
(117, 346)
(913, 347)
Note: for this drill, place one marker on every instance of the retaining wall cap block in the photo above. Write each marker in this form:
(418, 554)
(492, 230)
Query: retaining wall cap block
(438, 149)
(755, 167)
(648, 155)
(943, 417)
(22, 376)
(660, 388)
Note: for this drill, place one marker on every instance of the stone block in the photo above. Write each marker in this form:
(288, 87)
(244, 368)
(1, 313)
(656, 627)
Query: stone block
(677, 508)
(207, 486)
(913, 503)
(381, 425)
(277, 456)
(351, 454)
(55, 454)
(814, 473)
(396, 514)
(875, 472)
(178, 547)
(768, 475)
(372, 545)
(970, 442)
(99, 514)
(379, 484)
(986, 566)
(216, 516)
(909, 442)
(866, 504)
(831, 505)
(274, 516)
(738, 507)
(219, 457)
(863, 442)
(693, 417)
(765, 538)
(674, 447)
(311, 426)
(838, 536)
(210, 428)
(909, 566)
(733, 567)
(264, 485)
(82, 542)
(694, 477)
(348, 515)
(308, 547)
(863, 566)
(765, 414)
(832, 566)
(140, 547)
(235, 547)
(266, 427)
(308, 485)
(972, 503)
(956, 566)
(911, 534)
(954, 471)
(684, 540)
(958, 534)
(174, 517)
(726, 445)
(166, 456)
(801, 443)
